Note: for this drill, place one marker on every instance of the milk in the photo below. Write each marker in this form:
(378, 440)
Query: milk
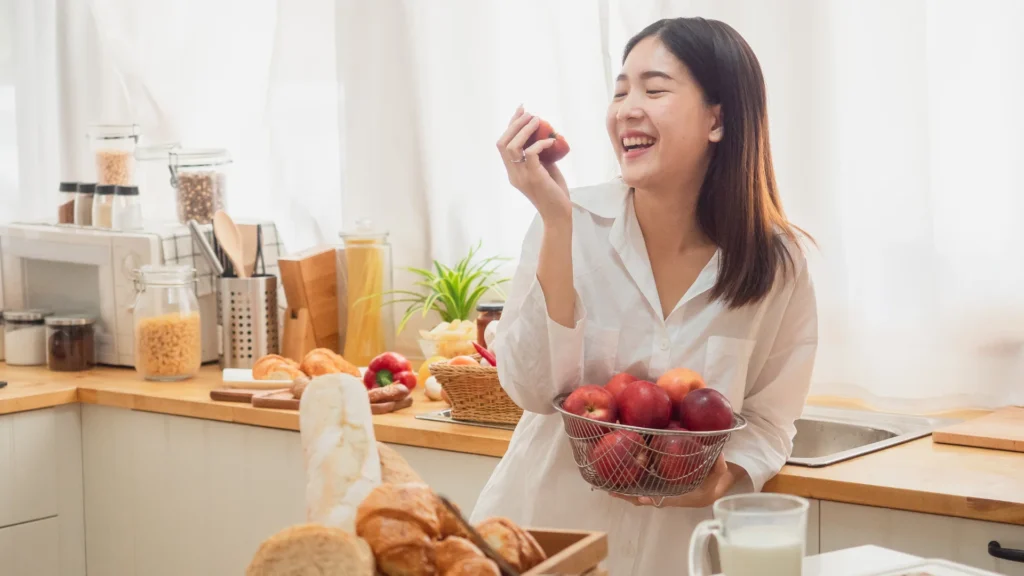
(761, 551)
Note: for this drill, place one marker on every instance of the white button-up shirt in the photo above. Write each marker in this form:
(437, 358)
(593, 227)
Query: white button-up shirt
(760, 356)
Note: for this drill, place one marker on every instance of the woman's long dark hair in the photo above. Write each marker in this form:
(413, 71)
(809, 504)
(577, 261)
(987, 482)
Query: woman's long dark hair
(739, 207)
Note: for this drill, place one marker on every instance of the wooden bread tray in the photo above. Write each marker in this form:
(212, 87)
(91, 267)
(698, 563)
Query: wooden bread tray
(570, 552)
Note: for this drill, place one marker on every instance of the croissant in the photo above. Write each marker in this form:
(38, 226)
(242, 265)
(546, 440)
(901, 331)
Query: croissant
(400, 523)
(321, 361)
(514, 544)
(274, 367)
(450, 525)
(459, 557)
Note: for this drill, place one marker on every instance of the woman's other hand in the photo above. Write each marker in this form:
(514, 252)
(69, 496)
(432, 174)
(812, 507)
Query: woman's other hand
(541, 183)
(722, 477)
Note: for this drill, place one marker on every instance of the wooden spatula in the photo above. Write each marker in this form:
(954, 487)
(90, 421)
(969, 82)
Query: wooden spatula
(230, 240)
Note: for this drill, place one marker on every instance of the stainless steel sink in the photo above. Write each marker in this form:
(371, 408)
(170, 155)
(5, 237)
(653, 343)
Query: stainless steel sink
(827, 435)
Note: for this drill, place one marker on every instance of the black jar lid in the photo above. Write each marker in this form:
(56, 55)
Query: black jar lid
(490, 306)
(126, 190)
(87, 187)
(69, 186)
(104, 189)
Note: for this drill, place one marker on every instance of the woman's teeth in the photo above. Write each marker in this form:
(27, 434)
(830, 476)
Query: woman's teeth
(637, 142)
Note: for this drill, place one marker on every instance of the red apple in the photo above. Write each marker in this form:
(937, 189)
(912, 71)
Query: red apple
(618, 383)
(673, 425)
(679, 382)
(619, 458)
(706, 410)
(593, 402)
(644, 405)
(676, 457)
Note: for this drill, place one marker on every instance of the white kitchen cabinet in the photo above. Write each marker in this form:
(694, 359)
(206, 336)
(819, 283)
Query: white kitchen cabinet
(926, 535)
(31, 549)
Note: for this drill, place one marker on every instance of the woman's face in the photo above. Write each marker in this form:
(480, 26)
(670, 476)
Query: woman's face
(658, 122)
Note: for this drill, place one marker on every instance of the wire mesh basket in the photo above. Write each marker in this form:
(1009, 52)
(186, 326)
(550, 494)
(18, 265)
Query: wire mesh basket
(641, 461)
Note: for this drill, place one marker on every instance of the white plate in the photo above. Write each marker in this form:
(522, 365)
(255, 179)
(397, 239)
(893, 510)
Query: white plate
(935, 567)
(242, 378)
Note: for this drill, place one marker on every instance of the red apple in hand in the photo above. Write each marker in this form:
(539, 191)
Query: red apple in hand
(706, 410)
(619, 458)
(592, 402)
(678, 383)
(644, 405)
(618, 383)
(676, 457)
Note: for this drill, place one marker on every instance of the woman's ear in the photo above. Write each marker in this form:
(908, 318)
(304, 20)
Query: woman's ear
(717, 127)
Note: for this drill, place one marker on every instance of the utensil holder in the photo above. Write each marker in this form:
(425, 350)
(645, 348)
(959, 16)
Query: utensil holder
(247, 308)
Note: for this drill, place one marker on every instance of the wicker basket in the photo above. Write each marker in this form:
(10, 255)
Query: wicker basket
(476, 394)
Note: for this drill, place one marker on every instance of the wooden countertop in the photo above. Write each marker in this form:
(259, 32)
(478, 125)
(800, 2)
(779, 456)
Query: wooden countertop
(918, 476)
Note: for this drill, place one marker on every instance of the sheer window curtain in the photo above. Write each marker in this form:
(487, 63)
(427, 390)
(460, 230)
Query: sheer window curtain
(894, 131)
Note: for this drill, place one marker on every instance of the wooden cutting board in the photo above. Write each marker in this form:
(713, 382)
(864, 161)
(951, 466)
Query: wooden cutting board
(1000, 430)
(239, 394)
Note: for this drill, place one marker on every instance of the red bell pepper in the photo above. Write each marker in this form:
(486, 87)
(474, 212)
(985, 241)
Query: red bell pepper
(486, 354)
(389, 368)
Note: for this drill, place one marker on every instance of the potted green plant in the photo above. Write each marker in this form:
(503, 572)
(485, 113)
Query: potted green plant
(452, 292)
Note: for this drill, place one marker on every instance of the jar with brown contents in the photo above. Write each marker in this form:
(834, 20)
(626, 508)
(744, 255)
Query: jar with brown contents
(200, 182)
(70, 343)
(168, 332)
(66, 204)
(487, 312)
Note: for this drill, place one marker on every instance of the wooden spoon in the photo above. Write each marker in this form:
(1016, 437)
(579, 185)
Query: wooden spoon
(230, 240)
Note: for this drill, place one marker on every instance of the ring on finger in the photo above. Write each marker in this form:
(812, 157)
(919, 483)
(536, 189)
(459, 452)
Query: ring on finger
(522, 159)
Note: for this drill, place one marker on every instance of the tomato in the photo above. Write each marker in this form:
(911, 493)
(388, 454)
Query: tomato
(554, 153)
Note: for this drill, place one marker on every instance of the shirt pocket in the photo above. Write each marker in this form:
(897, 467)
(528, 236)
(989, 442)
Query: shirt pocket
(600, 350)
(726, 365)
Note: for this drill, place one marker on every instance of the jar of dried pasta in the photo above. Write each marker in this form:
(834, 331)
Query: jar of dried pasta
(199, 177)
(114, 148)
(168, 345)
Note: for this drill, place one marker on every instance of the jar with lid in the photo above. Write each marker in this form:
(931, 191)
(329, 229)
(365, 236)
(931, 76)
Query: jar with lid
(114, 148)
(487, 312)
(153, 178)
(66, 204)
(70, 343)
(127, 210)
(83, 204)
(25, 337)
(364, 274)
(168, 345)
(103, 206)
(199, 177)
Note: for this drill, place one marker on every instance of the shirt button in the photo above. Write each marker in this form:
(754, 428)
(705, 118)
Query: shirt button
(665, 344)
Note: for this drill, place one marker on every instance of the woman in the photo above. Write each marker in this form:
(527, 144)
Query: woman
(686, 261)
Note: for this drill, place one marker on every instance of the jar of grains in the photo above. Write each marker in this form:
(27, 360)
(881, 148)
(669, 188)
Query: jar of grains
(25, 337)
(114, 147)
(168, 343)
(200, 182)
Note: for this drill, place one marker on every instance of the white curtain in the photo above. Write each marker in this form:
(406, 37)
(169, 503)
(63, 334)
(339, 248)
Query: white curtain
(894, 129)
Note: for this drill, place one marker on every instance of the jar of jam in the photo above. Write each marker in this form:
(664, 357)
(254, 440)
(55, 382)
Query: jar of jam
(487, 312)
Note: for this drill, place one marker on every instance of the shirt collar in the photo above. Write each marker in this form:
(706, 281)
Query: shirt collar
(604, 200)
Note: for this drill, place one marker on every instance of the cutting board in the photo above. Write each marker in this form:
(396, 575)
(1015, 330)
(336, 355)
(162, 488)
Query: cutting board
(1000, 430)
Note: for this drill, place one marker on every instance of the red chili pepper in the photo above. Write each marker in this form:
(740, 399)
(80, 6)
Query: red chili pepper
(389, 368)
(486, 354)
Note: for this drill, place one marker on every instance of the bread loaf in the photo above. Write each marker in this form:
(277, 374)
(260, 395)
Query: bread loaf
(312, 549)
(274, 367)
(342, 464)
(394, 469)
(459, 557)
(320, 361)
(512, 543)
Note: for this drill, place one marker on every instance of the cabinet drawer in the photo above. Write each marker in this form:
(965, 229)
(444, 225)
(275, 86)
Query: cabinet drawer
(30, 549)
(926, 535)
(28, 466)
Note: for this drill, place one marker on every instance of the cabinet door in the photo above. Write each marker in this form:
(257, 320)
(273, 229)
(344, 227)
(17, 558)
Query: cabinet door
(28, 466)
(926, 535)
(30, 549)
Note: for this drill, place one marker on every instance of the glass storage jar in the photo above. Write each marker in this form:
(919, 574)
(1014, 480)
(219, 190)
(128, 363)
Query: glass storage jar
(83, 204)
(66, 204)
(25, 337)
(103, 206)
(200, 182)
(487, 312)
(127, 211)
(70, 343)
(364, 273)
(168, 345)
(114, 148)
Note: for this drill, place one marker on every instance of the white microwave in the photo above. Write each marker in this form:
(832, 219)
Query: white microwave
(67, 268)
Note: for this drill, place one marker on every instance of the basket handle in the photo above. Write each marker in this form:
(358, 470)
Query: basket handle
(699, 546)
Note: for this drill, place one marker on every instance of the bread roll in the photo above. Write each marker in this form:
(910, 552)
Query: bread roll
(459, 557)
(450, 525)
(320, 361)
(340, 451)
(312, 549)
(274, 367)
(512, 543)
(400, 523)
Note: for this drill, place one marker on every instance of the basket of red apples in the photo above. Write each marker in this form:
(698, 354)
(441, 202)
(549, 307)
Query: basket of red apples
(655, 439)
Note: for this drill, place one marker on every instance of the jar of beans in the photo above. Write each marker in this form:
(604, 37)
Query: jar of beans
(70, 343)
(168, 345)
(200, 182)
(114, 148)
